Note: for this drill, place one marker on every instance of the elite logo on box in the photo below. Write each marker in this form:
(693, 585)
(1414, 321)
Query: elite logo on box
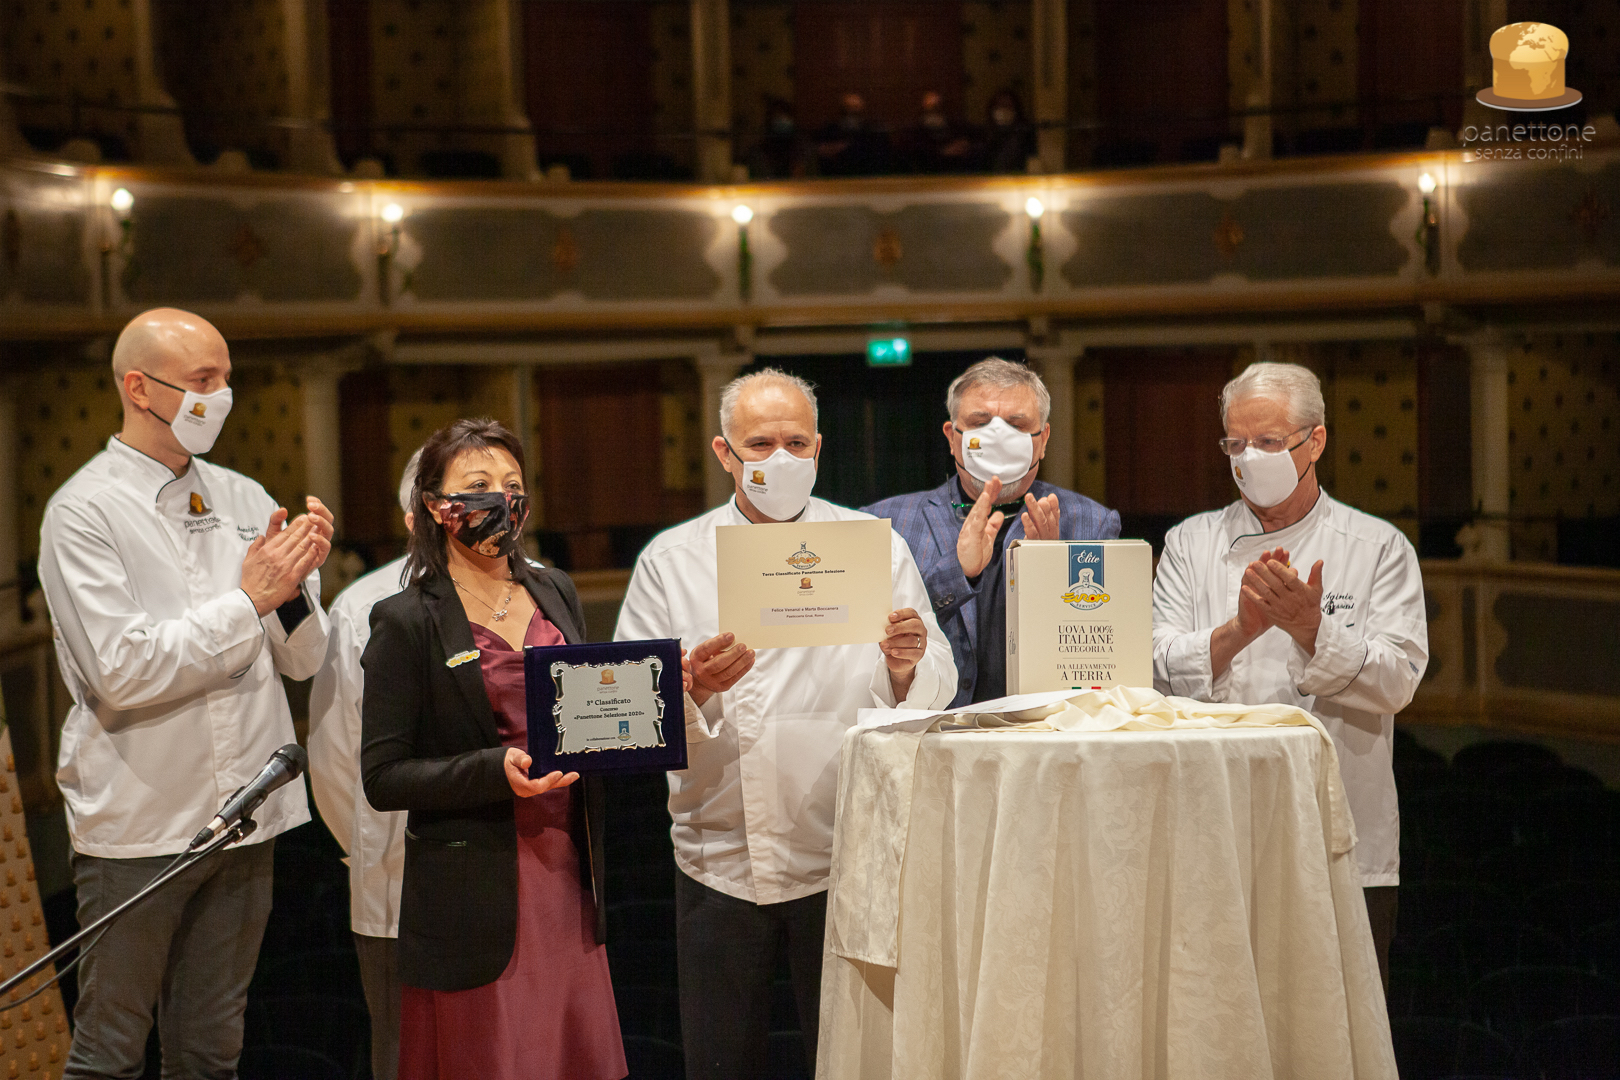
(1085, 577)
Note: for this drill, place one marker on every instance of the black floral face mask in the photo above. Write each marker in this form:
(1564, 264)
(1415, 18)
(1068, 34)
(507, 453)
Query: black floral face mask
(488, 522)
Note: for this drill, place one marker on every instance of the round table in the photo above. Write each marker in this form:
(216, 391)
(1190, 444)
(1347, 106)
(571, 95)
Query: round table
(1101, 904)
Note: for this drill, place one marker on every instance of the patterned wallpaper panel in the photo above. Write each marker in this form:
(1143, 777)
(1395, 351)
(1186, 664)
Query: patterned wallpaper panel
(1321, 53)
(761, 67)
(673, 103)
(1371, 394)
(64, 417)
(996, 55)
(72, 47)
(66, 414)
(421, 401)
(416, 68)
(226, 66)
(263, 436)
(1563, 434)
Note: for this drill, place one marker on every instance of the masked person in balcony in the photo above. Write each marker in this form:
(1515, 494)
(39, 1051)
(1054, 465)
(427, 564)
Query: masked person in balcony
(1009, 139)
(1289, 596)
(754, 809)
(501, 918)
(998, 433)
(180, 594)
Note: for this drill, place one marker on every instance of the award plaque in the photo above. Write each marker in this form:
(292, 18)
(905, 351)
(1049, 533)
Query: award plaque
(612, 707)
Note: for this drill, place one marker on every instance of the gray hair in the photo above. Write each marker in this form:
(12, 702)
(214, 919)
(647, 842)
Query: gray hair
(1297, 387)
(734, 390)
(1001, 375)
(407, 481)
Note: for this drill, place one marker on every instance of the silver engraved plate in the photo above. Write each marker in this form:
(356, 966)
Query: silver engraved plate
(608, 706)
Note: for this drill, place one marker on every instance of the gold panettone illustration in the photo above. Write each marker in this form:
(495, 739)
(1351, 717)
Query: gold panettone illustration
(198, 507)
(1527, 61)
(607, 677)
(973, 443)
(804, 583)
(759, 476)
(199, 409)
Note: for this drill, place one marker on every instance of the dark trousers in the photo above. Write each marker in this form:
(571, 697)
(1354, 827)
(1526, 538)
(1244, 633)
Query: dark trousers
(187, 952)
(379, 978)
(1383, 902)
(726, 951)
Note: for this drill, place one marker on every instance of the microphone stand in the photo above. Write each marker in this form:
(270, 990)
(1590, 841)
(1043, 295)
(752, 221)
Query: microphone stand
(240, 830)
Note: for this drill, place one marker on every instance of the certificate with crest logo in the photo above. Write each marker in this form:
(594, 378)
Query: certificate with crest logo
(810, 583)
(614, 707)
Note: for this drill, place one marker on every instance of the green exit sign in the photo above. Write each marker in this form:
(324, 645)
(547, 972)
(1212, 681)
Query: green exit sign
(888, 352)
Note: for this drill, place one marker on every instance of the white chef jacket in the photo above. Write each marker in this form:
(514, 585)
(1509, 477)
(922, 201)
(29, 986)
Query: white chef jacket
(1371, 649)
(373, 841)
(753, 810)
(176, 680)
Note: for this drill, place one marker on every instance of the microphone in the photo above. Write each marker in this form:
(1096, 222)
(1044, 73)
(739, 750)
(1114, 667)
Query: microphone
(285, 765)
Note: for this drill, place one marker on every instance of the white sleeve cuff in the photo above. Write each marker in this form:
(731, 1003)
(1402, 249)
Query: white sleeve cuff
(1338, 660)
(700, 727)
(1188, 669)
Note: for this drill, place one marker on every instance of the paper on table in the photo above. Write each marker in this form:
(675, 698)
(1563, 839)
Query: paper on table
(805, 583)
(1015, 709)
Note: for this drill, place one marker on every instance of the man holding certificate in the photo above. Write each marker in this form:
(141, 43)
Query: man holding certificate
(831, 598)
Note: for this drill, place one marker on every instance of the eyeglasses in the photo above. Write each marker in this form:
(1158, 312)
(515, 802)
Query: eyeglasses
(1266, 444)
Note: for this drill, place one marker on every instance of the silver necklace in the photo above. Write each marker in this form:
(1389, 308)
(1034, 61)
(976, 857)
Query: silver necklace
(495, 616)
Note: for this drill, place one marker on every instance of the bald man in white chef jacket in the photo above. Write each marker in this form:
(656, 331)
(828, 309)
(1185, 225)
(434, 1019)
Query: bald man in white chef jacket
(179, 595)
(753, 811)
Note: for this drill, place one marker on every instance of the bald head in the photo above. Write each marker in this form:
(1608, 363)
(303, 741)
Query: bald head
(173, 345)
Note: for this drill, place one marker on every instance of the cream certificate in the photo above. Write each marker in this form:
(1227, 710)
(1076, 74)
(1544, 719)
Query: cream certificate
(815, 583)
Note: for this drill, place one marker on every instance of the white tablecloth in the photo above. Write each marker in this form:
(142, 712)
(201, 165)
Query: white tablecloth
(1113, 904)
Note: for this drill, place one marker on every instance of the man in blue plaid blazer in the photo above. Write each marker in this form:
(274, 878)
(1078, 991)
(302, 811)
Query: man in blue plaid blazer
(999, 431)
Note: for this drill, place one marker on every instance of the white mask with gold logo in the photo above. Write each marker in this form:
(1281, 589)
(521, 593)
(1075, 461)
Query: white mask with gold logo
(997, 449)
(198, 420)
(780, 486)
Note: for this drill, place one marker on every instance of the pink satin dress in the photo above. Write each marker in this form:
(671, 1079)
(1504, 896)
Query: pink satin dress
(551, 1014)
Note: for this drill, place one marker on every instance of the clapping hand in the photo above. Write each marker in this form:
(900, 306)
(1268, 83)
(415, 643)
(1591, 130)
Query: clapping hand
(280, 558)
(1273, 588)
(975, 544)
(1041, 517)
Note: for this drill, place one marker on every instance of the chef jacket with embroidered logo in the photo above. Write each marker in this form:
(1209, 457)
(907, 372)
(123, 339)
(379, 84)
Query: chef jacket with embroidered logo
(753, 810)
(1371, 649)
(176, 680)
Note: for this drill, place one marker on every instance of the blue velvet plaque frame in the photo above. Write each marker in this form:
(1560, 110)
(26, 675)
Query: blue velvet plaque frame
(611, 707)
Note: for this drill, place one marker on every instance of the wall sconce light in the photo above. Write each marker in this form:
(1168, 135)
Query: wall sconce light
(1035, 256)
(1428, 230)
(387, 250)
(121, 202)
(742, 215)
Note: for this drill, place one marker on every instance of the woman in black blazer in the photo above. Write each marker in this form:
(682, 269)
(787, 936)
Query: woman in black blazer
(502, 917)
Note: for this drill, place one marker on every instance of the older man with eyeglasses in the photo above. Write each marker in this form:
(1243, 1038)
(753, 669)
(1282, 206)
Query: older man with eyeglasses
(1290, 596)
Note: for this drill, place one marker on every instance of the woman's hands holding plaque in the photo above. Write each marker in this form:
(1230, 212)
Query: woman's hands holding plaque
(517, 774)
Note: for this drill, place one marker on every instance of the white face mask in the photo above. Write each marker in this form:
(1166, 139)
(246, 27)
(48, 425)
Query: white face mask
(198, 420)
(1265, 479)
(997, 449)
(780, 486)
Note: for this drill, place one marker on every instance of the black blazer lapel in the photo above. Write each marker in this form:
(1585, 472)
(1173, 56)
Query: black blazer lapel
(550, 601)
(455, 638)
